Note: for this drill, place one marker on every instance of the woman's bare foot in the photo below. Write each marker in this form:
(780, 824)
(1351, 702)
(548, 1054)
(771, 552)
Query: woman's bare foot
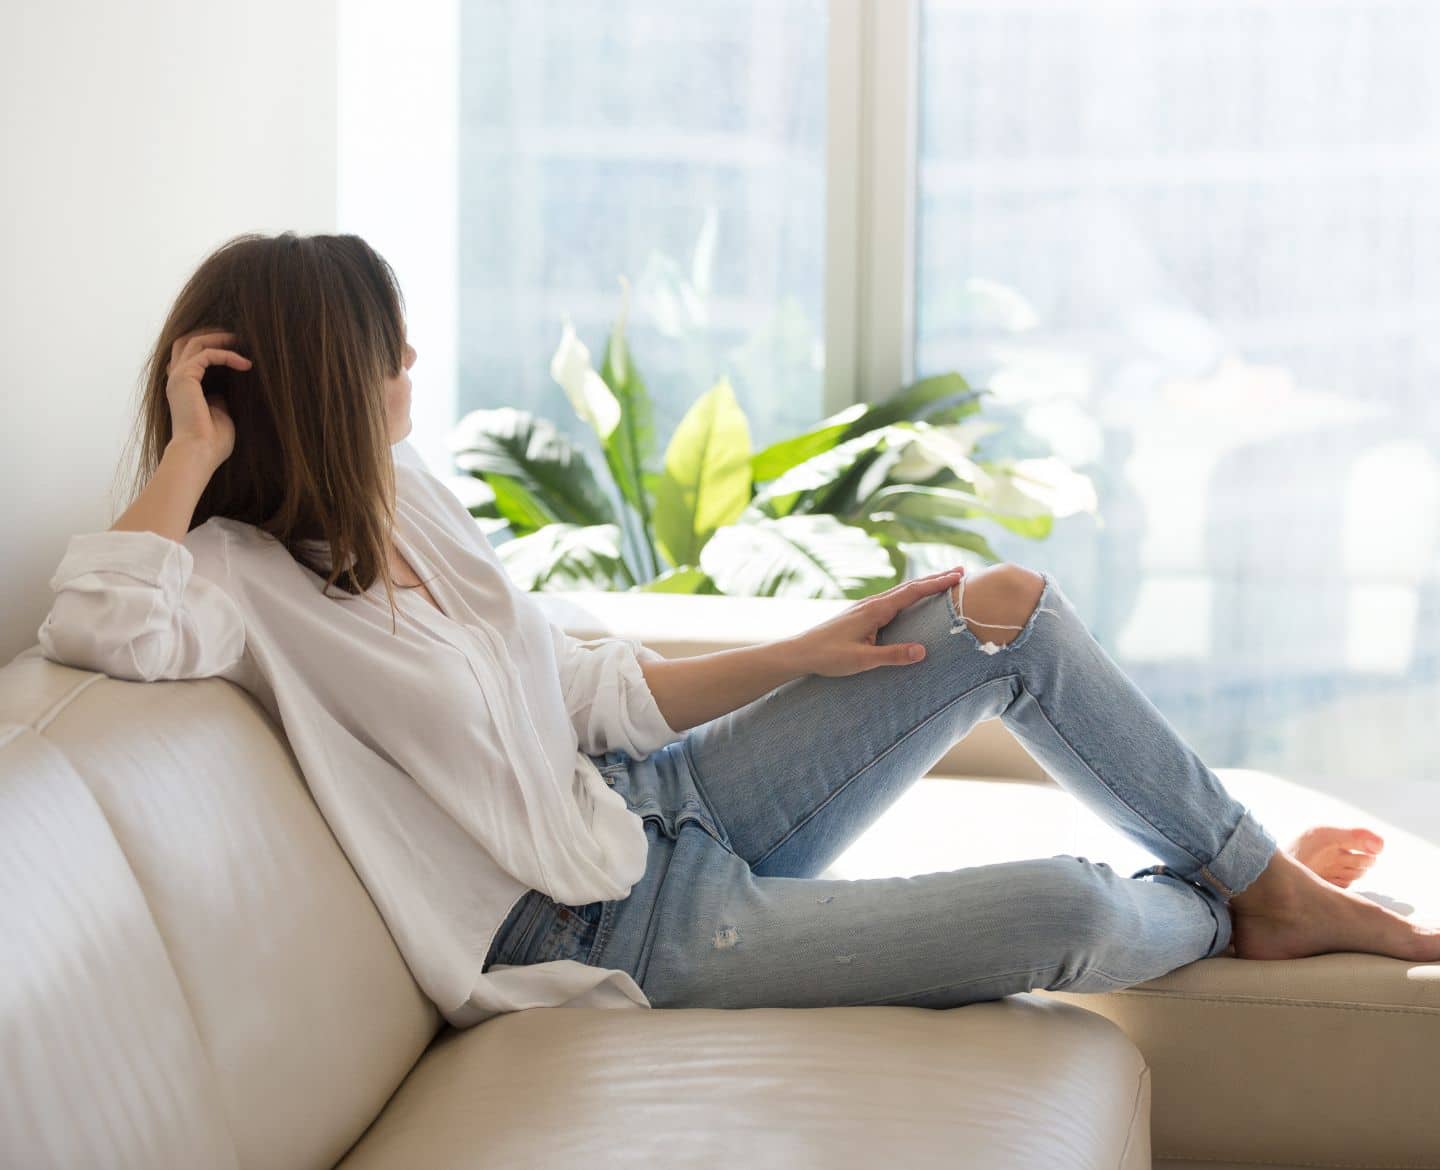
(1290, 912)
(1337, 855)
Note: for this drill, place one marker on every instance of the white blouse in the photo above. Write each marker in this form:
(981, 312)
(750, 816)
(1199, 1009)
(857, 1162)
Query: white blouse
(451, 759)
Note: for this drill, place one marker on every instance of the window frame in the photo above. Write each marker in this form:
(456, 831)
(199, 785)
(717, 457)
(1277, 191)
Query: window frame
(872, 102)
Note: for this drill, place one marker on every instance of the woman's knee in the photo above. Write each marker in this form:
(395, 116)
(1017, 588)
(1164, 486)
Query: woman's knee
(1078, 923)
(1005, 594)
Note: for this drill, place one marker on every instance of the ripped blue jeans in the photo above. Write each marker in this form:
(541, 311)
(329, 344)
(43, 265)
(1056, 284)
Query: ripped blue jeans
(744, 811)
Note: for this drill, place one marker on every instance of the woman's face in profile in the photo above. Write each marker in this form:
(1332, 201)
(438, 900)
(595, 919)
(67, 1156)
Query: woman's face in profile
(397, 398)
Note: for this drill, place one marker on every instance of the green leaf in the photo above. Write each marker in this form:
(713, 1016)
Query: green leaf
(784, 495)
(1029, 518)
(796, 556)
(945, 398)
(958, 537)
(567, 556)
(926, 514)
(780, 457)
(868, 482)
(705, 483)
(685, 579)
(513, 445)
(524, 511)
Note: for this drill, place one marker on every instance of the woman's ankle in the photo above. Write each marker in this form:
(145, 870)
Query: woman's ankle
(1278, 885)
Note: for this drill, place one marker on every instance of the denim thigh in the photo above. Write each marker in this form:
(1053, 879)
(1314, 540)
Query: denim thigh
(659, 788)
(700, 928)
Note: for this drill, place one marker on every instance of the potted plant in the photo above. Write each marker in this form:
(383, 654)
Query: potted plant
(872, 495)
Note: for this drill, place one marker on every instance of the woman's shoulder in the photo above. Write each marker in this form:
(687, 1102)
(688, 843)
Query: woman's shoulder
(219, 532)
(226, 549)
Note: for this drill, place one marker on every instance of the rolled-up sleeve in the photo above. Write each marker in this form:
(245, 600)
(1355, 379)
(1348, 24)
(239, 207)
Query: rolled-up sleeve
(130, 605)
(610, 703)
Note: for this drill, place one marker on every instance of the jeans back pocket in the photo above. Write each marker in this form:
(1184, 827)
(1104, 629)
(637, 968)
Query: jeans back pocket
(549, 931)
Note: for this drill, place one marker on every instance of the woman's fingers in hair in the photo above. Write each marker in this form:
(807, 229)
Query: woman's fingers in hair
(185, 377)
(190, 343)
(224, 357)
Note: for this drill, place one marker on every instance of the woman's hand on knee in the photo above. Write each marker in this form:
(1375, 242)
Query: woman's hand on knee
(846, 643)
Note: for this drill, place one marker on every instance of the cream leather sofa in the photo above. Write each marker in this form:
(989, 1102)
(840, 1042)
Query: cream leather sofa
(193, 977)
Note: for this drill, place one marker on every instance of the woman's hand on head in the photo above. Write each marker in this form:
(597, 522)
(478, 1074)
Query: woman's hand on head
(846, 643)
(195, 421)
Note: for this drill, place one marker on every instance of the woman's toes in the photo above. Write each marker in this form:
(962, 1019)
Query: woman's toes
(1339, 855)
(1334, 839)
(1343, 874)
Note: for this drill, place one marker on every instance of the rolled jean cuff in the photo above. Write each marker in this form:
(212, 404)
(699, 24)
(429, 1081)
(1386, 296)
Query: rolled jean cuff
(1214, 902)
(1241, 860)
(1224, 924)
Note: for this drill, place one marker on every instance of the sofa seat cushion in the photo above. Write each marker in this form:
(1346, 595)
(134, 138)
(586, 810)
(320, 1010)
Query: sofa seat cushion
(1016, 1083)
(1327, 1060)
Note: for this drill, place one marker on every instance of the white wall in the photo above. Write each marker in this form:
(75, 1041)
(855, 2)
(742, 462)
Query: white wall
(135, 137)
(399, 185)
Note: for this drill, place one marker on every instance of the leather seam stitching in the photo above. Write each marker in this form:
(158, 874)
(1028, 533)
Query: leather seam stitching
(1324, 1005)
(53, 712)
(1134, 1115)
(1288, 1165)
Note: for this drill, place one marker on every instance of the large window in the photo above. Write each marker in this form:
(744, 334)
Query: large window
(682, 146)
(1191, 247)
(1195, 248)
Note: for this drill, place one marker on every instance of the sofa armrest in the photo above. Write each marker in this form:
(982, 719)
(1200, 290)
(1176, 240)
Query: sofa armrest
(679, 625)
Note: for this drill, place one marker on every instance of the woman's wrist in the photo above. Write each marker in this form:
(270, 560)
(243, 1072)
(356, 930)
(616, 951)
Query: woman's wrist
(790, 657)
(192, 456)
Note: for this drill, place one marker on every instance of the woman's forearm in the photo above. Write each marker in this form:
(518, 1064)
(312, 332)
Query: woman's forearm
(167, 504)
(690, 691)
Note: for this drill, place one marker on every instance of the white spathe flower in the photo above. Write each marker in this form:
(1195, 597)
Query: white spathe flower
(592, 399)
(948, 446)
(1046, 484)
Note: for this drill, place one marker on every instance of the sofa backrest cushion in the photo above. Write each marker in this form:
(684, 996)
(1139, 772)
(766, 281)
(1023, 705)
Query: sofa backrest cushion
(194, 976)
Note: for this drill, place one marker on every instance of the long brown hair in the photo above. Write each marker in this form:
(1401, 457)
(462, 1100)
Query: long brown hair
(322, 320)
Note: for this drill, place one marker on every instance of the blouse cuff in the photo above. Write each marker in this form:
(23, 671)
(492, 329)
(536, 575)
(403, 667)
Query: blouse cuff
(645, 711)
(146, 556)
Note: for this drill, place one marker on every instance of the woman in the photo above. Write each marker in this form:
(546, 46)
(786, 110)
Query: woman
(543, 820)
